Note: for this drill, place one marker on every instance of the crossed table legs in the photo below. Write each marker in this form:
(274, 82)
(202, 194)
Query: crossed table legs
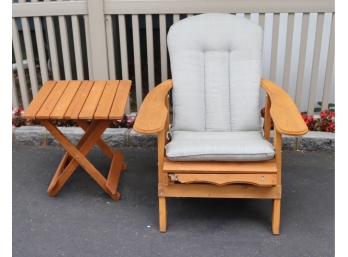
(75, 156)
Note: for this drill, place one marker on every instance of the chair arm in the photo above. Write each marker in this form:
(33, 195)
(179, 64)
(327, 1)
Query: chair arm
(286, 117)
(153, 111)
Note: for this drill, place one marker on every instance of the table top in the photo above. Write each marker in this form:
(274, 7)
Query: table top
(80, 99)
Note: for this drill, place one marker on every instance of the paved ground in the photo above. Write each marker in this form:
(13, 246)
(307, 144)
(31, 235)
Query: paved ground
(82, 220)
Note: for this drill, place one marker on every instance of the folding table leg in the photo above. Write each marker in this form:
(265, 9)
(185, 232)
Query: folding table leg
(67, 158)
(79, 155)
(101, 143)
(115, 172)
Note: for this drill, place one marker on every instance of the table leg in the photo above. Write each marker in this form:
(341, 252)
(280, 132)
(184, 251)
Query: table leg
(92, 134)
(101, 143)
(67, 158)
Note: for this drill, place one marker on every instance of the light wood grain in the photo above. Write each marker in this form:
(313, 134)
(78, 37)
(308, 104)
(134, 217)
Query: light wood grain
(226, 191)
(52, 99)
(220, 167)
(153, 113)
(224, 179)
(118, 107)
(39, 99)
(114, 172)
(284, 112)
(106, 100)
(92, 100)
(65, 100)
(79, 100)
(276, 217)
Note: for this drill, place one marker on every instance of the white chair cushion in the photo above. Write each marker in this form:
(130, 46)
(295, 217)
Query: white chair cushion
(219, 146)
(216, 62)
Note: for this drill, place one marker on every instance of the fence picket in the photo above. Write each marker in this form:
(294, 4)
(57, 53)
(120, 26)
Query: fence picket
(315, 66)
(137, 60)
(19, 64)
(30, 56)
(288, 51)
(89, 48)
(53, 48)
(77, 47)
(124, 53)
(163, 40)
(111, 46)
(150, 53)
(65, 47)
(329, 67)
(15, 101)
(302, 60)
(298, 55)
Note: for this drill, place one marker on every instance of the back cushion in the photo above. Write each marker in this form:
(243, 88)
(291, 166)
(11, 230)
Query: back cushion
(216, 64)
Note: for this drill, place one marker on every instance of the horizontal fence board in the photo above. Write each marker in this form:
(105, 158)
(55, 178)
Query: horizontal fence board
(236, 6)
(163, 7)
(49, 8)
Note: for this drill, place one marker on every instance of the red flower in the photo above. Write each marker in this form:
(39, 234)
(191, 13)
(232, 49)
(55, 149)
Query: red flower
(332, 114)
(310, 118)
(332, 127)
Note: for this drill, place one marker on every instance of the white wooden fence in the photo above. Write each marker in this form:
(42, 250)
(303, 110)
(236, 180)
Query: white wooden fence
(126, 39)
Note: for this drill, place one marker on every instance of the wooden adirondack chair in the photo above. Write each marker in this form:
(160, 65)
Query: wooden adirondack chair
(216, 146)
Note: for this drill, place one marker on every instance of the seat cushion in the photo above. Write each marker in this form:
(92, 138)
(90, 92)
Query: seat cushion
(219, 146)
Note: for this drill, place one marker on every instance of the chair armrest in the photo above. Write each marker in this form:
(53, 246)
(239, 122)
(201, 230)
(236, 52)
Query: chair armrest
(286, 117)
(153, 111)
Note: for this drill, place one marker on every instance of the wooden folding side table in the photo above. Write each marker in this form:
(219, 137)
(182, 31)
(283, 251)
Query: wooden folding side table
(101, 102)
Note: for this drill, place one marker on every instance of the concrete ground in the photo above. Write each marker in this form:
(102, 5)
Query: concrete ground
(82, 220)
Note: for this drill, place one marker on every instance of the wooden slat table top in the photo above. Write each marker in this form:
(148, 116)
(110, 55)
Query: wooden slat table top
(76, 99)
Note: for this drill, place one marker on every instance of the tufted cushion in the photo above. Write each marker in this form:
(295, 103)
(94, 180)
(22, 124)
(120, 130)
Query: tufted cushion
(219, 146)
(216, 64)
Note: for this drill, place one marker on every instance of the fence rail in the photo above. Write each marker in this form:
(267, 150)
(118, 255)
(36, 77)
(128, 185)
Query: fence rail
(126, 39)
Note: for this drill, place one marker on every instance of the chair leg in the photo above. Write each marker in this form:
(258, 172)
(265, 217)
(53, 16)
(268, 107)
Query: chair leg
(276, 217)
(162, 214)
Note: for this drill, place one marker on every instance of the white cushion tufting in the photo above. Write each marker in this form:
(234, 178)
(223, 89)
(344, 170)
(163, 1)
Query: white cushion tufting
(216, 64)
(219, 146)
